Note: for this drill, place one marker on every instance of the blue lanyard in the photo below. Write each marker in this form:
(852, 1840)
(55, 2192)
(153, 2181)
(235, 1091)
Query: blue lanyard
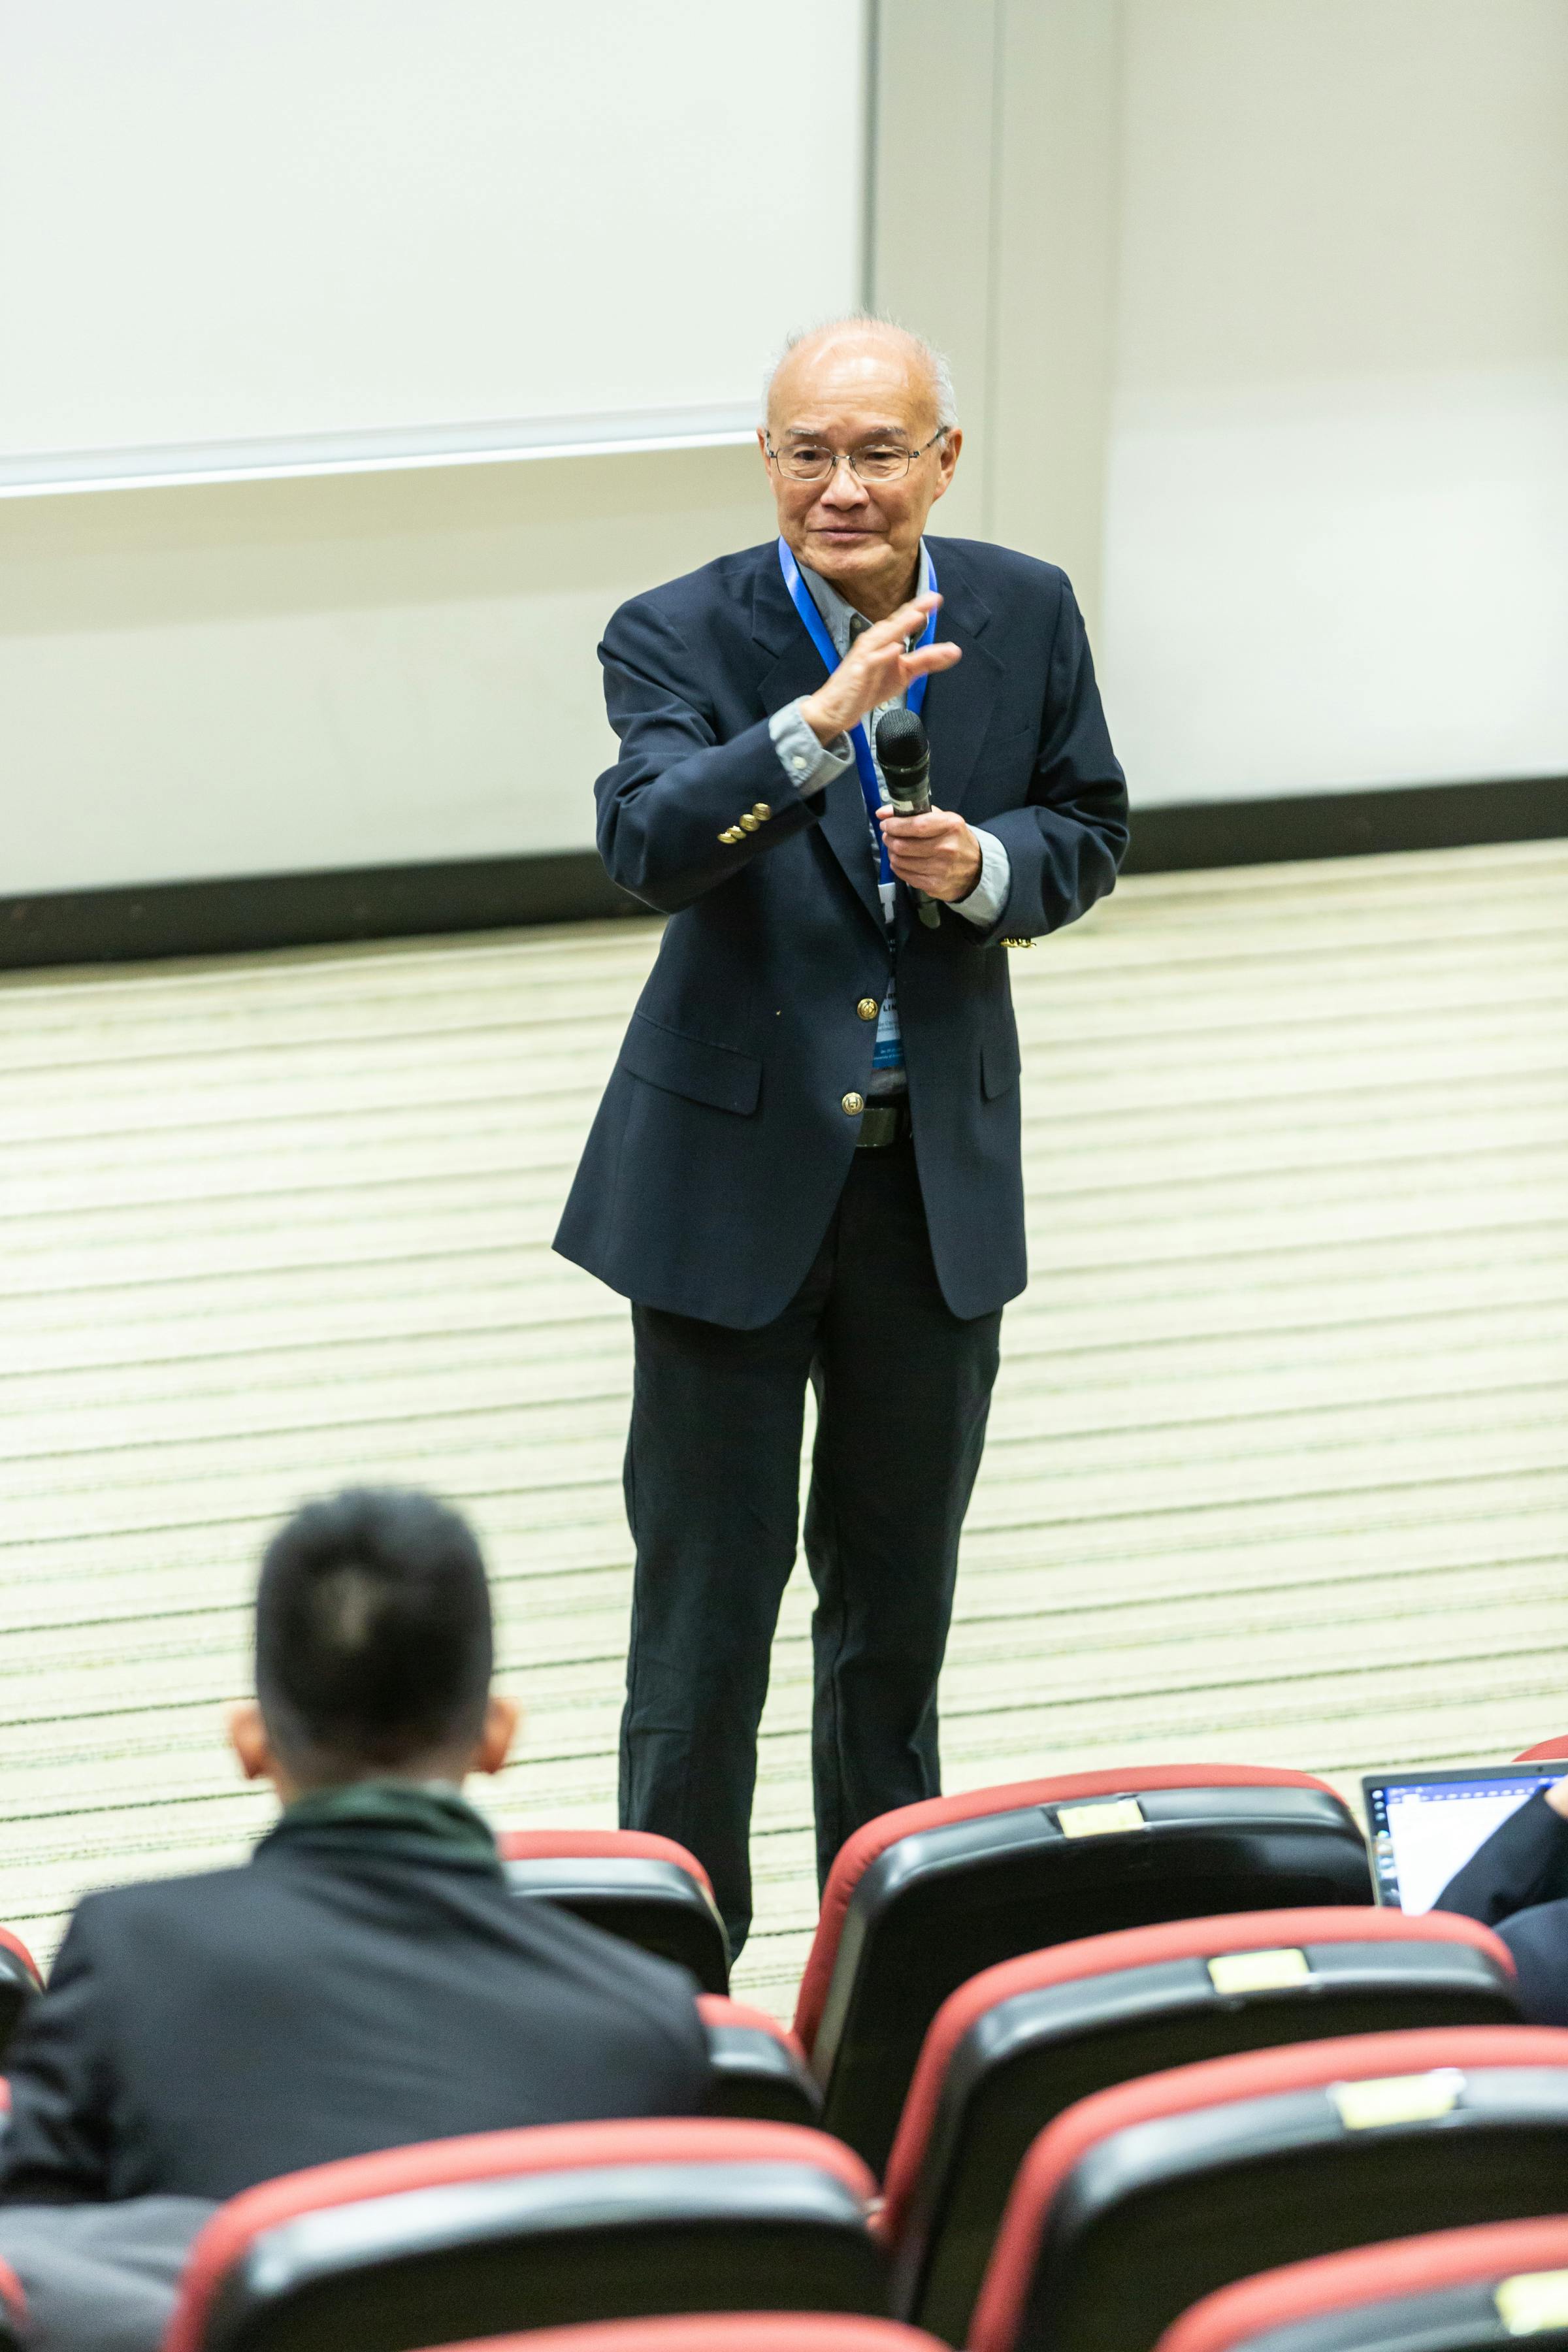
(805, 604)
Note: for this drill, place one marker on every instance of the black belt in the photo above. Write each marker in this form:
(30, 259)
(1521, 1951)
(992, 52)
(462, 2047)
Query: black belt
(882, 1124)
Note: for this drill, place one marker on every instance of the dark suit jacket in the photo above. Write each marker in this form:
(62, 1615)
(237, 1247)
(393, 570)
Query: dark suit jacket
(201, 2034)
(721, 1144)
(1518, 1882)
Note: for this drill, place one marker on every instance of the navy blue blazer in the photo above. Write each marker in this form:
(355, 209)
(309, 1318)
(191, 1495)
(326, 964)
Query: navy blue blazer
(338, 1993)
(723, 1143)
(1517, 1883)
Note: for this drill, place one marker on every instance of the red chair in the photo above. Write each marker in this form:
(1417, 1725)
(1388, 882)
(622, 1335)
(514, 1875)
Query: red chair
(19, 1980)
(723, 2331)
(1138, 2202)
(1018, 2044)
(13, 2312)
(923, 1899)
(1545, 1751)
(759, 2067)
(1459, 2291)
(563, 2223)
(645, 1889)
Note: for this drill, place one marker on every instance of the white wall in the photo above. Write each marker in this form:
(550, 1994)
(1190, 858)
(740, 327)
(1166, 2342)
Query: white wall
(994, 229)
(1259, 310)
(355, 671)
(1336, 532)
(1260, 315)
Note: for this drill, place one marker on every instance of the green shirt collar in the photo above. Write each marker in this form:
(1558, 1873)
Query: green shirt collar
(424, 1821)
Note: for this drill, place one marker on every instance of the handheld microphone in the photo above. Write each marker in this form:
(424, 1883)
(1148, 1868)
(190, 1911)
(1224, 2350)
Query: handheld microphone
(903, 748)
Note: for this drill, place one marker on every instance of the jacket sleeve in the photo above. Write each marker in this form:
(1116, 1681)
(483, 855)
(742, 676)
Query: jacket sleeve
(55, 2150)
(1065, 844)
(676, 788)
(1525, 1861)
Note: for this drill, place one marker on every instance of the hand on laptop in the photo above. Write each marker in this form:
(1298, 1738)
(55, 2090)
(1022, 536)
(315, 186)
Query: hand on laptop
(1557, 1798)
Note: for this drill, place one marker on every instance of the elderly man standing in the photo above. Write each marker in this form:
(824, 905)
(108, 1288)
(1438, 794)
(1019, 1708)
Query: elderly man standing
(806, 1163)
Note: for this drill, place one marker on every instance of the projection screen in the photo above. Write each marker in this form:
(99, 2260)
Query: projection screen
(288, 236)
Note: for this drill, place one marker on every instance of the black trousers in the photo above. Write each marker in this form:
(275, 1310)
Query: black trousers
(712, 1484)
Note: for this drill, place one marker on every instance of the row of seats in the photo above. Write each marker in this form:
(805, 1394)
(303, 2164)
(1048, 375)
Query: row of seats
(1033, 2040)
(1091, 2109)
(1027, 2043)
(1133, 2207)
(1458, 2291)
(1473, 2289)
(923, 1899)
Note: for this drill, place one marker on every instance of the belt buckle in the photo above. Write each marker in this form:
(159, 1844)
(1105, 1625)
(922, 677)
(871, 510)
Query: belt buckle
(881, 1126)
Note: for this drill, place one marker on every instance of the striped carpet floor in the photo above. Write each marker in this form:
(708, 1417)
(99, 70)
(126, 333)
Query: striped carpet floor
(1278, 1466)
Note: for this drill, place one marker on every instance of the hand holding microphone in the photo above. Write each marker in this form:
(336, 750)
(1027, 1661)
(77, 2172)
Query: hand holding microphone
(931, 850)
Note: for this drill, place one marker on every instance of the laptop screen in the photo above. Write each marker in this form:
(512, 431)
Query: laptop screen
(1426, 1825)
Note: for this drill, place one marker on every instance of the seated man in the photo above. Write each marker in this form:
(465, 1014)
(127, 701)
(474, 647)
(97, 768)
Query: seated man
(1518, 1882)
(366, 1978)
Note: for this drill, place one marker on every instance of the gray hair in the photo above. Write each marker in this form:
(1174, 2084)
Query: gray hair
(934, 362)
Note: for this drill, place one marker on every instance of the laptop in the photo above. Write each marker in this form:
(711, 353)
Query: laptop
(1424, 1826)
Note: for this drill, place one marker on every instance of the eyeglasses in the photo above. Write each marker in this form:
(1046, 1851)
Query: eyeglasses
(878, 461)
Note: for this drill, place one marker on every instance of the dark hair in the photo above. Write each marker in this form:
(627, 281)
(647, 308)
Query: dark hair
(373, 1631)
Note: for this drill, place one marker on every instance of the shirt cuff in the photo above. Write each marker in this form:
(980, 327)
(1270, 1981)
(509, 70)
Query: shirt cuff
(985, 903)
(809, 764)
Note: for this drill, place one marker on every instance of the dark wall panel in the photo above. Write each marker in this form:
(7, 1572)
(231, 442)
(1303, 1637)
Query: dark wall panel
(277, 910)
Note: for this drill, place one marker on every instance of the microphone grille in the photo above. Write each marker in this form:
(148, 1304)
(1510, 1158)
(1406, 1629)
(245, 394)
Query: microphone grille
(901, 739)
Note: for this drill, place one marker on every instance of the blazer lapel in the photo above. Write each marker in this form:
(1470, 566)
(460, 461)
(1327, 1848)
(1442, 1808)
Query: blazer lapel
(959, 701)
(796, 667)
(957, 710)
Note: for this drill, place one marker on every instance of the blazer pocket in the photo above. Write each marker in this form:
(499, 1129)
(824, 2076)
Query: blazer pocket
(693, 1067)
(999, 1065)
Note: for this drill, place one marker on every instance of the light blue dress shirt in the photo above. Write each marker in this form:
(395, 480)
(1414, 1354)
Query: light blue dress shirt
(812, 765)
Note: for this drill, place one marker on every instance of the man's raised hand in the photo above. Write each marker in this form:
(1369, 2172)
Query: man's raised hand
(876, 669)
